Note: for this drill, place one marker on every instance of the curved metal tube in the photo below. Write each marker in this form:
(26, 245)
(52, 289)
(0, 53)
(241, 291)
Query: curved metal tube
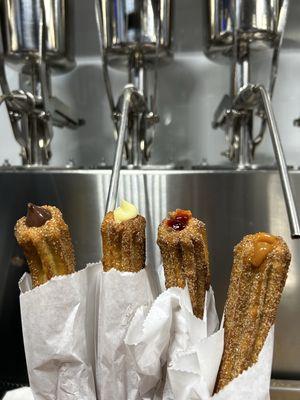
(274, 66)
(256, 96)
(131, 99)
(284, 176)
(106, 76)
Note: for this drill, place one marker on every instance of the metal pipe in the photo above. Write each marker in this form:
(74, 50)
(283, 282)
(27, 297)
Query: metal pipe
(115, 173)
(128, 96)
(38, 131)
(107, 82)
(6, 91)
(38, 39)
(283, 171)
(137, 77)
(274, 65)
(242, 127)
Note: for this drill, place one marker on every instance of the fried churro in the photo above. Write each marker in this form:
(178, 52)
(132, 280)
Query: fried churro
(258, 276)
(183, 244)
(123, 239)
(46, 242)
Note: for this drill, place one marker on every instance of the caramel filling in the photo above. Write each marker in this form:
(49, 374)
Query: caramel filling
(263, 245)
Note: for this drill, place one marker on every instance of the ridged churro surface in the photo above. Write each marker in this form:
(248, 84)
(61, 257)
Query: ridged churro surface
(123, 244)
(258, 276)
(47, 248)
(185, 257)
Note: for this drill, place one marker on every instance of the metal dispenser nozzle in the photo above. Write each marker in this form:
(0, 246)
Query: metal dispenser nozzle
(237, 27)
(137, 32)
(36, 38)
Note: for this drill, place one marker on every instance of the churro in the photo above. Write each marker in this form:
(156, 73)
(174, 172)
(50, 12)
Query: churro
(123, 239)
(258, 276)
(183, 244)
(46, 242)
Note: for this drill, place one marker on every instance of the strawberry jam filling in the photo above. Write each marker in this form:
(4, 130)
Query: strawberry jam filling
(179, 219)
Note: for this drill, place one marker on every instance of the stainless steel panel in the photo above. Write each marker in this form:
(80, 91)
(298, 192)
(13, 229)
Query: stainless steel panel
(21, 20)
(285, 390)
(231, 203)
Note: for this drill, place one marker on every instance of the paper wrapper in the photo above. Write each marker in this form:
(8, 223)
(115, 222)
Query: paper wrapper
(121, 294)
(58, 321)
(24, 393)
(192, 374)
(158, 333)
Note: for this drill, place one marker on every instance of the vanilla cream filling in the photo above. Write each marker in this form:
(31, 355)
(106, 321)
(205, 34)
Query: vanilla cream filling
(125, 212)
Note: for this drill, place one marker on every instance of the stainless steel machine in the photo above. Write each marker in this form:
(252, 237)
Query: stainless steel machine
(37, 38)
(234, 200)
(137, 34)
(237, 31)
(237, 28)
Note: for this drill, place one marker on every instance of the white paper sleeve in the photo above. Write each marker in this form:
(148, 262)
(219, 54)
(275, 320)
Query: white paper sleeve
(157, 333)
(192, 374)
(58, 331)
(121, 294)
(254, 383)
(24, 393)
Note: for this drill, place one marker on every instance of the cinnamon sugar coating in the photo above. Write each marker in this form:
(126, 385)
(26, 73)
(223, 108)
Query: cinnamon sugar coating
(252, 301)
(123, 244)
(48, 248)
(185, 259)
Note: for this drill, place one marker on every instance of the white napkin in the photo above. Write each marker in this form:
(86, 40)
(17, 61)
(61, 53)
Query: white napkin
(160, 332)
(24, 393)
(121, 294)
(192, 374)
(58, 321)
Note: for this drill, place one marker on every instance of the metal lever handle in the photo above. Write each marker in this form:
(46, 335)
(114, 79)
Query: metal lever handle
(221, 113)
(284, 176)
(250, 97)
(131, 98)
(61, 114)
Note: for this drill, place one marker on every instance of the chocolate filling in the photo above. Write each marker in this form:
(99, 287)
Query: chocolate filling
(37, 216)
